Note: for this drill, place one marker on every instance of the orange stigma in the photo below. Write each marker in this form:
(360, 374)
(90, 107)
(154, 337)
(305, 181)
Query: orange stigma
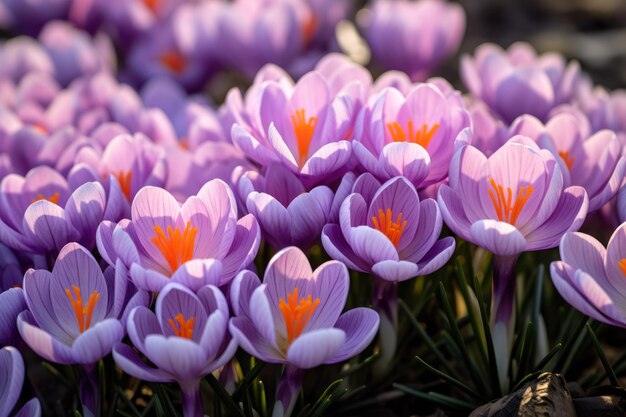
(54, 198)
(422, 136)
(182, 327)
(303, 130)
(385, 224)
(177, 248)
(123, 177)
(40, 128)
(622, 265)
(83, 314)
(309, 28)
(297, 312)
(183, 144)
(569, 161)
(173, 61)
(507, 210)
(153, 5)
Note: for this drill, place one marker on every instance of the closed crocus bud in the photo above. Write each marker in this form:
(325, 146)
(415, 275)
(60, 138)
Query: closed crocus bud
(11, 381)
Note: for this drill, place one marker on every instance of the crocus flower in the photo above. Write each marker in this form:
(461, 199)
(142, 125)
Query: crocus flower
(302, 127)
(287, 214)
(294, 318)
(186, 339)
(11, 381)
(539, 83)
(190, 244)
(591, 278)
(594, 162)
(74, 313)
(512, 202)
(12, 303)
(413, 134)
(413, 36)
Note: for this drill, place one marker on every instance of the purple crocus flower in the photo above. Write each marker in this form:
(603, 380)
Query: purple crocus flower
(40, 212)
(591, 278)
(287, 214)
(189, 244)
(186, 339)
(29, 17)
(539, 83)
(11, 382)
(512, 202)
(294, 318)
(594, 162)
(489, 132)
(301, 126)
(12, 303)
(413, 36)
(413, 134)
(74, 313)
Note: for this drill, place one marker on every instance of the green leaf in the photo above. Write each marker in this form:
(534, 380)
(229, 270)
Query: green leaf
(358, 366)
(224, 396)
(610, 373)
(436, 398)
(451, 380)
(248, 379)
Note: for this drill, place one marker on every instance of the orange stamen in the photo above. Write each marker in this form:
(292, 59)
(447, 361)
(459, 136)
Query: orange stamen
(622, 265)
(40, 128)
(173, 61)
(182, 327)
(123, 177)
(177, 248)
(83, 314)
(506, 211)
(303, 130)
(297, 312)
(309, 28)
(54, 198)
(569, 161)
(385, 224)
(153, 5)
(422, 136)
(184, 144)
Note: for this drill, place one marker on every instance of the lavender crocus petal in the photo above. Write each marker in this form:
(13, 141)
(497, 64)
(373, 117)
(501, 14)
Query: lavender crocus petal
(12, 378)
(141, 323)
(498, 237)
(338, 248)
(222, 211)
(32, 408)
(12, 303)
(395, 271)
(97, 342)
(241, 289)
(581, 251)
(252, 147)
(426, 233)
(263, 314)
(315, 347)
(328, 159)
(42, 342)
(225, 357)
(407, 159)
(437, 256)
(568, 216)
(615, 253)
(197, 273)
(104, 241)
(147, 279)
(129, 361)
(85, 209)
(185, 365)
(366, 158)
(452, 212)
(280, 147)
(244, 248)
(271, 215)
(123, 244)
(47, 227)
(360, 326)
(344, 189)
(371, 245)
(250, 340)
(176, 299)
(366, 185)
(12, 238)
(213, 334)
(332, 283)
(308, 214)
(611, 187)
(352, 213)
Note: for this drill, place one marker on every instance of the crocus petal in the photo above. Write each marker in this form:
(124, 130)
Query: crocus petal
(328, 159)
(407, 159)
(32, 408)
(97, 341)
(147, 279)
(437, 256)
(453, 213)
(241, 290)
(308, 214)
(46, 226)
(498, 237)
(360, 326)
(12, 303)
(141, 323)
(315, 347)
(338, 248)
(181, 358)
(42, 342)
(395, 271)
(615, 253)
(12, 371)
(85, 209)
(272, 216)
(332, 283)
(252, 147)
(250, 340)
(245, 246)
(371, 245)
(213, 334)
(197, 273)
(129, 361)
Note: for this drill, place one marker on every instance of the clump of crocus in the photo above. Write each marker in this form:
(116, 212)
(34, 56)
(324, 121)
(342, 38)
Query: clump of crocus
(512, 202)
(385, 230)
(591, 278)
(11, 381)
(294, 318)
(288, 215)
(186, 339)
(538, 83)
(413, 134)
(75, 313)
(413, 36)
(190, 243)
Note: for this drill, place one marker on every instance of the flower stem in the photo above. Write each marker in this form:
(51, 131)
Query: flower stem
(288, 390)
(89, 391)
(192, 402)
(385, 302)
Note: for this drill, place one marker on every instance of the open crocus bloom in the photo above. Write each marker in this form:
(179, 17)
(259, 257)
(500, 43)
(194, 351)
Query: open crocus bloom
(11, 381)
(591, 278)
(294, 316)
(413, 134)
(388, 231)
(74, 312)
(511, 202)
(201, 242)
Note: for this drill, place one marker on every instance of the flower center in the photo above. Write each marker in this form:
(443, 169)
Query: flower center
(182, 327)
(569, 161)
(309, 28)
(303, 129)
(622, 265)
(54, 198)
(83, 313)
(385, 224)
(183, 144)
(153, 5)
(173, 61)
(123, 177)
(177, 248)
(421, 136)
(297, 312)
(506, 209)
